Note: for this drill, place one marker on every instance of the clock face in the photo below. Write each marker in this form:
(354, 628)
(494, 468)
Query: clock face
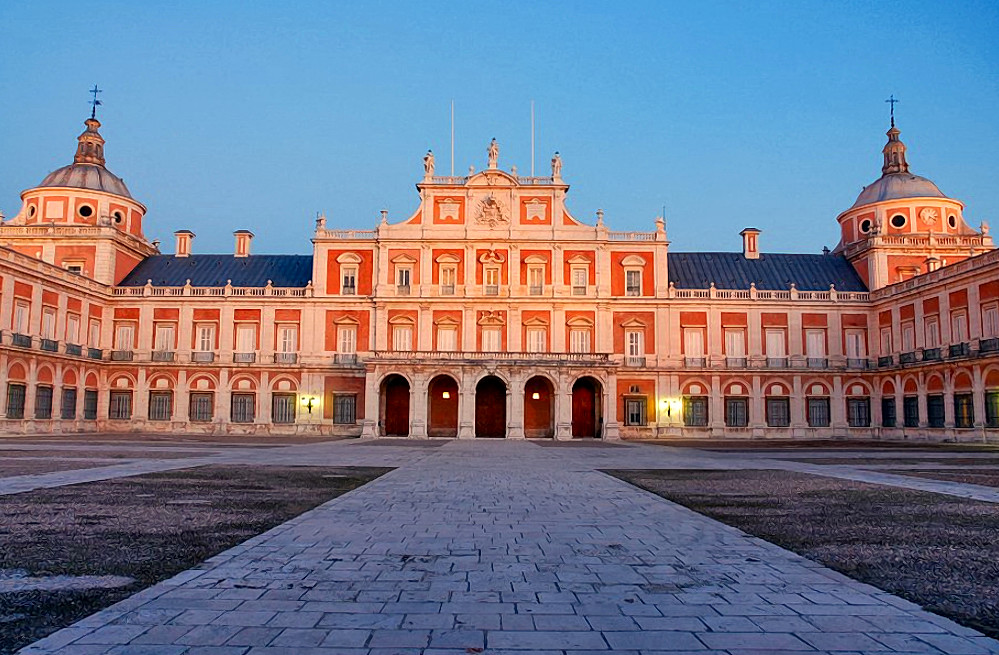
(929, 215)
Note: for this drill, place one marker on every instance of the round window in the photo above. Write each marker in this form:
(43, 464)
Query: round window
(85, 211)
(952, 221)
(865, 226)
(118, 218)
(32, 210)
(898, 221)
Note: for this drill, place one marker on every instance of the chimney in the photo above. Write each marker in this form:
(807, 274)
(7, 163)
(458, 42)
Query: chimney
(184, 239)
(243, 238)
(751, 243)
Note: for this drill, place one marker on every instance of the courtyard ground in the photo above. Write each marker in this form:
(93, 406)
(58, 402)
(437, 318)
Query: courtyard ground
(508, 547)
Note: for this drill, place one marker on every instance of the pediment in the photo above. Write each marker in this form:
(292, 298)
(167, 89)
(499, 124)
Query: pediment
(633, 260)
(535, 259)
(349, 258)
(404, 259)
(535, 322)
(447, 258)
(579, 322)
(402, 320)
(580, 259)
(346, 320)
(633, 323)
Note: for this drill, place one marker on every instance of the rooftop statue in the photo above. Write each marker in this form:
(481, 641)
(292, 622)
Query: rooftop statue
(428, 164)
(556, 166)
(493, 153)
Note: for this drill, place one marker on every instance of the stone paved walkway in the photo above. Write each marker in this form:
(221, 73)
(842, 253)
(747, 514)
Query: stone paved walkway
(505, 547)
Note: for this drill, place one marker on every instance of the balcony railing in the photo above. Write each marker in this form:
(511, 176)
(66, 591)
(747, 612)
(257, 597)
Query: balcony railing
(203, 356)
(579, 290)
(95, 353)
(932, 355)
(349, 359)
(817, 362)
(536, 290)
(285, 358)
(907, 358)
(50, 345)
(695, 362)
(857, 363)
(74, 349)
(491, 290)
(402, 289)
(886, 360)
(634, 362)
(735, 362)
(988, 345)
(244, 358)
(348, 290)
(122, 355)
(163, 355)
(447, 289)
(776, 362)
(633, 292)
(20, 340)
(959, 350)
(584, 359)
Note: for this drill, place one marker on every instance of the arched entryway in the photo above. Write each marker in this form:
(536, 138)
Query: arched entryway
(395, 406)
(539, 397)
(442, 403)
(587, 408)
(490, 407)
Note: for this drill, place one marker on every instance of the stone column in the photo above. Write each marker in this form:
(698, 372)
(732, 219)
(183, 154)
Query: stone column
(948, 394)
(978, 398)
(837, 411)
(223, 401)
(515, 406)
(563, 407)
(466, 405)
(716, 412)
(31, 390)
(758, 419)
(799, 419)
(181, 400)
(369, 426)
(611, 429)
(418, 407)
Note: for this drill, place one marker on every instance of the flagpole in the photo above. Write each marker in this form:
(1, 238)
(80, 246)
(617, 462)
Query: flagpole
(452, 137)
(532, 138)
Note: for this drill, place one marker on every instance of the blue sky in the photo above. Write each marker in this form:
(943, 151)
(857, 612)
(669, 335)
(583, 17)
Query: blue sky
(221, 116)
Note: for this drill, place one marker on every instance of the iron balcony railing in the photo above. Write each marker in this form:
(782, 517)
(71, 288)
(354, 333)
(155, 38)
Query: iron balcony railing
(907, 358)
(95, 353)
(163, 355)
(959, 350)
(633, 291)
(579, 290)
(817, 362)
(634, 361)
(348, 290)
(886, 360)
(20, 340)
(122, 355)
(695, 362)
(535, 290)
(349, 359)
(50, 345)
(857, 363)
(74, 349)
(492, 290)
(776, 362)
(203, 356)
(932, 355)
(402, 289)
(244, 358)
(735, 362)
(447, 289)
(285, 358)
(988, 345)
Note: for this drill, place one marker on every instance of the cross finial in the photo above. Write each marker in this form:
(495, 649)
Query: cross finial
(95, 102)
(891, 101)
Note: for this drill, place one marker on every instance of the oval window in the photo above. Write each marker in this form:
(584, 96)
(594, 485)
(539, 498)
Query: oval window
(898, 221)
(32, 210)
(85, 211)
(865, 226)
(952, 221)
(118, 218)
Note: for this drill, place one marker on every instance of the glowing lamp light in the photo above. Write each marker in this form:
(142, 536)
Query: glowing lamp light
(536, 396)
(309, 402)
(445, 395)
(672, 406)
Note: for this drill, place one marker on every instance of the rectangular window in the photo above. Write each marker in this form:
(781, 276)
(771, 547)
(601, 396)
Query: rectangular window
(491, 276)
(815, 344)
(43, 402)
(958, 327)
(160, 405)
(348, 281)
(95, 334)
(90, 404)
(935, 410)
(48, 322)
(403, 280)
(73, 329)
(246, 338)
(735, 342)
(580, 277)
(536, 280)
(695, 411)
(402, 338)
(818, 412)
(124, 336)
(536, 338)
(68, 409)
(15, 400)
(283, 408)
(693, 342)
(633, 282)
(932, 332)
(886, 341)
(634, 342)
(21, 314)
(244, 408)
(120, 408)
(888, 409)
(964, 410)
(492, 339)
(778, 411)
(992, 409)
(206, 337)
(776, 343)
(856, 344)
(910, 411)
(202, 406)
(579, 341)
(165, 339)
(908, 337)
(344, 409)
(347, 338)
(858, 412)
(990, 321)
(634, 411)
(736, 411)
(448, 278)
(447, 339)
(287, 339)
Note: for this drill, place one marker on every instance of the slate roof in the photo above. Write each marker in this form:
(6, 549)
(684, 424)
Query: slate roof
(216, 270)
(771, 272)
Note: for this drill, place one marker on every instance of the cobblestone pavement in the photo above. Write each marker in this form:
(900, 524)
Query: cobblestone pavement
(507, 547)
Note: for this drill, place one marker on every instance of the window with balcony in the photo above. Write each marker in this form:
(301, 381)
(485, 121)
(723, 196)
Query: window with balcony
(448, 279)
(634, 344)
(165, 337)
(815, 348)
(73, 328)
(491, 280)
(403, 280)
(492, 339)
(348, 280)
(160, 405)
(205, 337)
(447, 338)
(932, 325)
(124, 336)
(402, 338)
(94, 339)
(908, 336)
(959, 327)
(536, 340)
(21, 314)
(635, 411)
(776, 340)
(535, 280)
(886, 341)
(735, 347)
(695, 411)
(246, 343)
(856, 348)
(579, 277)
(287, 339)
(990, 321)
(633, 282)
(48, 322)
(347, 340)
(579, 340)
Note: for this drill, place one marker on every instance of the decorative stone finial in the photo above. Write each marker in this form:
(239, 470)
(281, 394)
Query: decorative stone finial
(984, 229)
(600, 218)
(90, 149)
(894, 152)
(384, 217)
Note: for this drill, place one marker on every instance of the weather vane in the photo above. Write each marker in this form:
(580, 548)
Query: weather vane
(95, 102)
(891, 101)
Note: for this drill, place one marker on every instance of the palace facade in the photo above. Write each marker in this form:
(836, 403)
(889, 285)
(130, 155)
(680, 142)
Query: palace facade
(492, 311)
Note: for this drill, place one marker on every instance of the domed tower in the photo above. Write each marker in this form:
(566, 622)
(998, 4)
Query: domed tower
(903, 225)
(81, 217)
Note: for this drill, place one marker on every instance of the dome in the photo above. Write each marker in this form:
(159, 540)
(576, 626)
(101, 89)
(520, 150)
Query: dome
(898, 185)
(87, 176)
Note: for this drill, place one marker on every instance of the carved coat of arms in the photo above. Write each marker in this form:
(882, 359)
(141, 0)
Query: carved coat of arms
(492, 212)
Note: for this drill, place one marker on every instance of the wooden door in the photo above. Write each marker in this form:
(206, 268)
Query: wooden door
(538, 411)
(490, 408)
(584, 411)
(443, 411)
(397, 407)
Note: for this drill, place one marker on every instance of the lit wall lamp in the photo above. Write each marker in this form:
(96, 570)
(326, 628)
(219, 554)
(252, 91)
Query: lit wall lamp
(445, 395)
(672, 406)
(308, 402)
(536, 396)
